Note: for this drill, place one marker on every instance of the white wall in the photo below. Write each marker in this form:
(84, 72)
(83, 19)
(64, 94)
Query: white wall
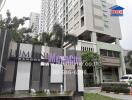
(80, 81)
(23, 70)
(56, 73)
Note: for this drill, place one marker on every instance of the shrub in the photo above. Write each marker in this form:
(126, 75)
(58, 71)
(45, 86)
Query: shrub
(116, 87)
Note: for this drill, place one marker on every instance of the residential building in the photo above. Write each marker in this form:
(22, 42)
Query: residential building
(1, 2)
(96, 29)
(34, 22)
(51, 13)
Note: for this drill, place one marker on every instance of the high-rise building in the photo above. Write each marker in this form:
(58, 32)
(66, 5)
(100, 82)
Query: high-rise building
(51, 13)
(96, 29)
(1, 2)
(34, 22)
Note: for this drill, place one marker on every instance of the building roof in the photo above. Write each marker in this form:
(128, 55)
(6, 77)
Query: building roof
(116, 7)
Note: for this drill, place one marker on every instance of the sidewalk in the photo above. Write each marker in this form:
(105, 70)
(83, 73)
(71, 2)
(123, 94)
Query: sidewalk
(117, 96)
(98, 90)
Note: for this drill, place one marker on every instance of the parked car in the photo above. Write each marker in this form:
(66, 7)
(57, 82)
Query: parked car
(127, 79)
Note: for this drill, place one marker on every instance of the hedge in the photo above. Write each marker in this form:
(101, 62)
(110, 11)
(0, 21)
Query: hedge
(116, 87)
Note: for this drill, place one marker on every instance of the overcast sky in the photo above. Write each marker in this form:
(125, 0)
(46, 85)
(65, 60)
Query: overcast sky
(22, 8)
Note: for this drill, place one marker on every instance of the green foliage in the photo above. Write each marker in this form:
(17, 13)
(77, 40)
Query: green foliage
(12, 25)
(115, 87)
(54, 39)
(128, 58)
(71, 39)
(91, 59)
(57, 37)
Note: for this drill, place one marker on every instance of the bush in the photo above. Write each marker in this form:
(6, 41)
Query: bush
(116, 87)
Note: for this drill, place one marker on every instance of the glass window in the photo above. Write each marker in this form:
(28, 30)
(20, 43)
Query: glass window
(110, 54)
(103, 52)
(125, 77)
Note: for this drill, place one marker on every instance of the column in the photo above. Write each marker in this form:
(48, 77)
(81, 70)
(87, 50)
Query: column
(94, 37)
(123, 62)
(122, 68)
(117, 41)
(94, 40)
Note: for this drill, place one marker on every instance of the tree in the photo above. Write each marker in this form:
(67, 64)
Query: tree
(91, 59)
(12, 26)
(35, 40)
(57, 37)
(46, 38)
(128, 58)
(72, 40)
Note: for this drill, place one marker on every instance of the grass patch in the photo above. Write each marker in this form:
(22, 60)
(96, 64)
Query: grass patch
(93, 96)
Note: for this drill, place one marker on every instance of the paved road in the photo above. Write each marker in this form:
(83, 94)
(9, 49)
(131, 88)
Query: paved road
(98, 90)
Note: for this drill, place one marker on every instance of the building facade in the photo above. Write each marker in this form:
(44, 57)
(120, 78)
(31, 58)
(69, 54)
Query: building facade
(96, 29)
(34, 22)
(1, 2)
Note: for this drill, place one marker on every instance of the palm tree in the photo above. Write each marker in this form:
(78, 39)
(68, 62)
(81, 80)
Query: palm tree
(57, 37)
(46, 38)
(72, 40)
(58, 34)
(12, 25)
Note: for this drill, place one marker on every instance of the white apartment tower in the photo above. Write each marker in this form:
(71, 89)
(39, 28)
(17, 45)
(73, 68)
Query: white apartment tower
(1, 2)
(96, 29)
(34, 22)
(51, 13)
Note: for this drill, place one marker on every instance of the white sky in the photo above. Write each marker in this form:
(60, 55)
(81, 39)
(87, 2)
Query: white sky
(22, 8)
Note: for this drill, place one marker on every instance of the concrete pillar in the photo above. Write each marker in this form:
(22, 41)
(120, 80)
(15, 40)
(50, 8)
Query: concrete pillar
(101, 75)
(94, 37)
(122, 68)
(94, 40)
(120, 72)
(117, 41)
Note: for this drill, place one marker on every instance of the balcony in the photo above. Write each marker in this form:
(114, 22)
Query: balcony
(110, 61)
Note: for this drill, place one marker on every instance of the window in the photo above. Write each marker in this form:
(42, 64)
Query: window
(110, 54)
(70, 4)
(76, 15)
(75, 6)
(76, 25)
(82, 21)
(66, 26)
(103, 52)
(70, 12)
(66, 9)
(125, 77)
(81, 2)
(82, 10)
(116, 54)
(66, 17)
